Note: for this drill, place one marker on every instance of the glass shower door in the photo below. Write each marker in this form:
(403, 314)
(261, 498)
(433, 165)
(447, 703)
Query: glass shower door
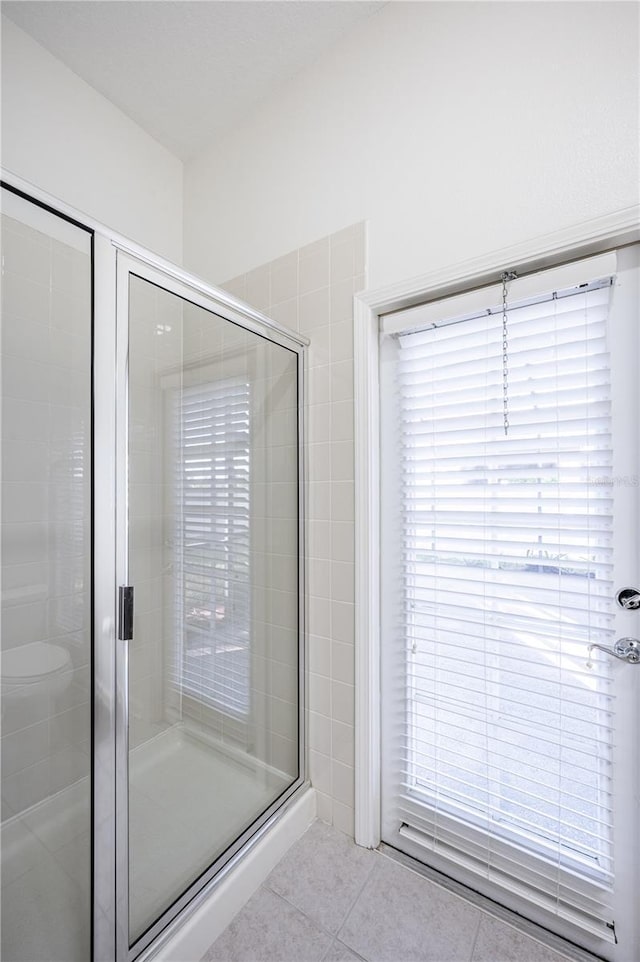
(46, 545)
(210, 675)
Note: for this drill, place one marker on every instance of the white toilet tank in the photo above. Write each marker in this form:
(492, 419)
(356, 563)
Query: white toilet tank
(36, 668)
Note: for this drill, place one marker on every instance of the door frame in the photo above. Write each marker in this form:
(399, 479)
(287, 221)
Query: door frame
(585, 239)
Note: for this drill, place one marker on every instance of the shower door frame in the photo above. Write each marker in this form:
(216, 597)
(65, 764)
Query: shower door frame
(110, 941)
(135, 263)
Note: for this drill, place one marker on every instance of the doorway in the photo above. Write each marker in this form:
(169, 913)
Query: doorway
(509, 486)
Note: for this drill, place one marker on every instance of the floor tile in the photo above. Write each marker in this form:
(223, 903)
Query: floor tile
(62, 817)
(402, 916)
(322, 875)
(499, 942)
(46, 917)
(268, 929)
(20, 848)
(75, 859)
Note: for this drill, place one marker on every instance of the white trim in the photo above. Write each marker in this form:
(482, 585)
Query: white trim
(249, 317)
(155, 261)
(121, 479)
(549, 250)
(105, 592)
(45, 222)
(367, 553)
(580, 240)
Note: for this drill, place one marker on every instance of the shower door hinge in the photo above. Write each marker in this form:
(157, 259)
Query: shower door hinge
(125, 612)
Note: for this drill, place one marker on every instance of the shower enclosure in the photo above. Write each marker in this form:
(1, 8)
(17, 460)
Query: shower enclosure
(152, 586)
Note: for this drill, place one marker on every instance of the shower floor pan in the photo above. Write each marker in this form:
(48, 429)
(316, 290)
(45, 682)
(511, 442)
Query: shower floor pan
(190, 798)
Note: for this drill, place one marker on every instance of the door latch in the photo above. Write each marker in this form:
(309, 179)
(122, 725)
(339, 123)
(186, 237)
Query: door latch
(628, 598)
(125, 613)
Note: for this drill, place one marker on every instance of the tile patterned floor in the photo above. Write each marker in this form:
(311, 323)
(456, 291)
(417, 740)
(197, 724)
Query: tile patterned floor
(330, 901)
(46, 867)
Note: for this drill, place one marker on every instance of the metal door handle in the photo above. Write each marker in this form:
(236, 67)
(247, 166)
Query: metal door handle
(125, 613)
(626, 649)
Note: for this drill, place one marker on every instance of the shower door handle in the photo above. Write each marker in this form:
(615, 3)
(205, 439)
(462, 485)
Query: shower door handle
(125, 613)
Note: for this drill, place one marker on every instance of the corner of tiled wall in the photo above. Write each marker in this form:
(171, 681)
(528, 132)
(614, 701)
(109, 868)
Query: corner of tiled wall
(311, 290)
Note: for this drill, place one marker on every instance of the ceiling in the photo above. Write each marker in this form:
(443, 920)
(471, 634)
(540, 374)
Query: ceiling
(186, 71)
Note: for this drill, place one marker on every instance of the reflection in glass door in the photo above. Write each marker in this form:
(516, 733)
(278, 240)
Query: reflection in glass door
(212, 551)
(46, 647)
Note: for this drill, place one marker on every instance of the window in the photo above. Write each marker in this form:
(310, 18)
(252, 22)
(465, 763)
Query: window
(212, 505)
(498, 554)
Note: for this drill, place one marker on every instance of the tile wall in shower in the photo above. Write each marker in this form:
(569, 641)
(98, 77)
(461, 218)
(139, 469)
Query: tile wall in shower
(46, 611)
(183, 363)
(46, 423)
(155, 343)
(311, 290)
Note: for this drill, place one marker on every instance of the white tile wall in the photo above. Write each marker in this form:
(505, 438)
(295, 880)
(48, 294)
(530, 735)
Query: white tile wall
(178, 345)
(311, 290)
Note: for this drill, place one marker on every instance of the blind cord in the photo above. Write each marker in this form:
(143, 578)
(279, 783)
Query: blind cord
(504, 277)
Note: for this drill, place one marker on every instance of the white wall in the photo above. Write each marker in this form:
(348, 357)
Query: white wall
(61, 135)
(453, 128)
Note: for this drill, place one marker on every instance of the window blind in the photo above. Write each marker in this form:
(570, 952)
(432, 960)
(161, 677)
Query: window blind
(500, 575)
(212, 511)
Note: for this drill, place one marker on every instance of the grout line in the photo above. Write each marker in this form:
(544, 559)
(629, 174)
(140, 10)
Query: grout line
(356, 899)
(334, 936)
(337, 941)
(475, 938)
(329, 947)
(314, 922)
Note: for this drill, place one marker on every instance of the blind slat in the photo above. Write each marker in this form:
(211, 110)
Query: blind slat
(211, 441)
(502, 738)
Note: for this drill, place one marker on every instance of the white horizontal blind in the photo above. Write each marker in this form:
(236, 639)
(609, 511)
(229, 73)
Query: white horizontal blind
(502, 739)
(212, 509)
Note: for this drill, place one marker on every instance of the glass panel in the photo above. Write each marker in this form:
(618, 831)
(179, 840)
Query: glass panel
(46, 602)
(213, 557)
(505, 722)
